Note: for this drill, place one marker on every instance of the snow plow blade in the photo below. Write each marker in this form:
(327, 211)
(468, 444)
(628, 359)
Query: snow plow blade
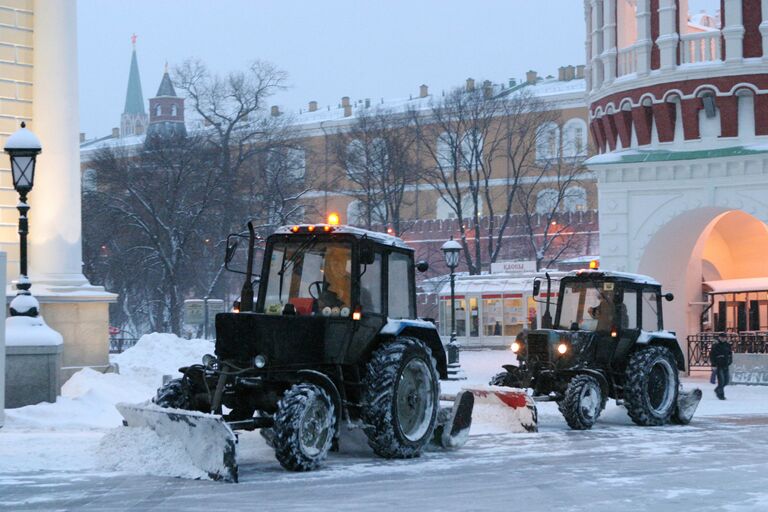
(454, 422)
(207, 439)
(514, 407)
(687, 402)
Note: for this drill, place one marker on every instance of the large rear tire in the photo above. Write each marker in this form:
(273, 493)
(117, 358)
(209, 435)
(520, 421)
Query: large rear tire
(400, 398)
(652, 383)
(304, 427)
(582, 403)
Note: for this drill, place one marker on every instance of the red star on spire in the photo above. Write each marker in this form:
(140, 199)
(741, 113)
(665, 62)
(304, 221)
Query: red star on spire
(133, 39)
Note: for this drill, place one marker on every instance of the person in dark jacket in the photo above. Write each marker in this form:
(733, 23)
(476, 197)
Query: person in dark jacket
(721, 358)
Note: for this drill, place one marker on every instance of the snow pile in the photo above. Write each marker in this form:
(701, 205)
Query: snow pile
(142, 451)
(88, 398)
(155, 355)
(30, 331)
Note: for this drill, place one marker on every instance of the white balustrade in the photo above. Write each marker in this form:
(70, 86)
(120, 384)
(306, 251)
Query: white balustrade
(700, 47)
(627, 60)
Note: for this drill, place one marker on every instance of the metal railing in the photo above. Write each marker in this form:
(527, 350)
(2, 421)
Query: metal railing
(120, 344)
(700, 47)
(745, 342)
(627, 61)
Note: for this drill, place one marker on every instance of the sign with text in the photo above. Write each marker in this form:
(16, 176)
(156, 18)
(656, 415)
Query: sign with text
(513, 267)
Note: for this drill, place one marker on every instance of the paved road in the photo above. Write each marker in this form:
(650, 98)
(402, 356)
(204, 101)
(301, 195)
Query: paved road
(717, 463)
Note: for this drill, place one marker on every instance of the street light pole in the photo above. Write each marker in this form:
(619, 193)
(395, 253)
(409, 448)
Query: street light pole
(451, 250)
(23, 284)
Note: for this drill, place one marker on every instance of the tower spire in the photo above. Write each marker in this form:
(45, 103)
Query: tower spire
(134, 119)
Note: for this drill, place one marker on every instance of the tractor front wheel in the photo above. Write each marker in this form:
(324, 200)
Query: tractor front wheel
(401, 398)
(304, 427)
(582, 403)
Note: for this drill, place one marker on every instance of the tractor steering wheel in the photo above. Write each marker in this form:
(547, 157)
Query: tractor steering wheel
(319, 286)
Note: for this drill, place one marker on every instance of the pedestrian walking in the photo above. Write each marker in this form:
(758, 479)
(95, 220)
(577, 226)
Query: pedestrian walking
(721, 357)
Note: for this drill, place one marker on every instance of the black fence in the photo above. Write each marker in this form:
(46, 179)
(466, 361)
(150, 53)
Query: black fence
(119, 344)
(746, 342)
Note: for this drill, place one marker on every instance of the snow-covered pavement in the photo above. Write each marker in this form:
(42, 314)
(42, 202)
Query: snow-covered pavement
(719, 462)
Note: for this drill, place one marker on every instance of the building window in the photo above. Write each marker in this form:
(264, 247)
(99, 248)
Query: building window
(575, 199)
(546, 201)
(445, 209)
(174, 110)
(158, 111)
(547, 141)
(358, 216)
(454, 152)
(575, 138)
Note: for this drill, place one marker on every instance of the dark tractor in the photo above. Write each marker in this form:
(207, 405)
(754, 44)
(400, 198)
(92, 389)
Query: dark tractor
(332, 337)
(607, 340)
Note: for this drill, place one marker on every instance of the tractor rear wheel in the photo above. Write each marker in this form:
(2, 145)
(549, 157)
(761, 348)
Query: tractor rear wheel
(400, 398)
(304, 427)
(582, 403)
(652, 382)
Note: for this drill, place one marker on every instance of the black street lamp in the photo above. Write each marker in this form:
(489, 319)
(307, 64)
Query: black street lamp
(451, 250)
(23, 147)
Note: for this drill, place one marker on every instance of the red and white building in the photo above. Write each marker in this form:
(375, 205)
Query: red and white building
(678, 109)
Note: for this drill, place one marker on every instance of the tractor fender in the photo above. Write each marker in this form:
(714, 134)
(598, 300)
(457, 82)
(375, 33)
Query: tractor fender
(664, 339)
(422, 330)
(322, 380)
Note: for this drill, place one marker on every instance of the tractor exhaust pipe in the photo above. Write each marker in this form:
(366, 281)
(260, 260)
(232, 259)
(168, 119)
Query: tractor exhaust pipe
(546, 320)
(246, 294)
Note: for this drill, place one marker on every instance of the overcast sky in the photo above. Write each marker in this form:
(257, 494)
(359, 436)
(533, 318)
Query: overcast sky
(329, 48)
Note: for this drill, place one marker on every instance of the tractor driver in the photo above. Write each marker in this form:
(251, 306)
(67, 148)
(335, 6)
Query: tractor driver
(604, 314)
(336, 291)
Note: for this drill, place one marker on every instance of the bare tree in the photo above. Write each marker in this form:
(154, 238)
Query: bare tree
(544, 200)
(482, 149)
(148, 221)
(379, 153)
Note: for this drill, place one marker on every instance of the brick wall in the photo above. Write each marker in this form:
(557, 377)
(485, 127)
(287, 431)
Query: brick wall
(16, 59)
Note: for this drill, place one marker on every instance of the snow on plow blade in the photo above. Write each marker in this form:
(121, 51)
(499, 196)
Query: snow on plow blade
(207, 439)
(512, 407)
(687, 402)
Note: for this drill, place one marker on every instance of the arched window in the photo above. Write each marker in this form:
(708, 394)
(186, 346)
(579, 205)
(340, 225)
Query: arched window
(575, 199)
(158, 111)
(547, 141)
(575, 138)
(363, 161)
(355, 157)
(446, 145)
(445, 209)
(546, 201)
(463, 152)
(174, 110)
(296, 165)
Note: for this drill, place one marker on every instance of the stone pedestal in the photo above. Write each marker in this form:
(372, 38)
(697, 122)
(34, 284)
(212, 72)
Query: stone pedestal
(32, 375)
(33, 355)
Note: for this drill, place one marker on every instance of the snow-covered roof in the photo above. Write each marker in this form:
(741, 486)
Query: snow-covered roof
(750, 284)
(572, 92)
(382, 238)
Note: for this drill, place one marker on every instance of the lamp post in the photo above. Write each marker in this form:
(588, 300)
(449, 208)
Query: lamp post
(23, 147)
(451, 251)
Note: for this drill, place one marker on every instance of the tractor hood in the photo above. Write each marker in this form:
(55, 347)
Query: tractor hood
(285, 340)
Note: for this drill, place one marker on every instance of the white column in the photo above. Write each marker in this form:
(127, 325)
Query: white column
(733, 32)
(588, 45)
(644, 41)
(597, 44)
(55, 220)
(668, 35)
(609, 41)
(764, 27)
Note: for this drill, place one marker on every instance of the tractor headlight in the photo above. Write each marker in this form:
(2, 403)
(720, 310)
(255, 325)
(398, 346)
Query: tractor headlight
(562, 348)
(210, 362)
(515, 347)
(260, 361)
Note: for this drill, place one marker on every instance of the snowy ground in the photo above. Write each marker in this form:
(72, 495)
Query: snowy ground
(68, 456)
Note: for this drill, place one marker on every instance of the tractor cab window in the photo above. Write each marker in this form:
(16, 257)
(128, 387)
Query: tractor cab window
(315, 278)
(399, 298)
(650, 311)
(370, 286)
(629, 310)
(587, 306)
